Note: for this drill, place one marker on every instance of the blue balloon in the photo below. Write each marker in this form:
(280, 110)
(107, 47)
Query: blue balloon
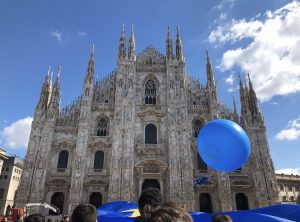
(223, 145)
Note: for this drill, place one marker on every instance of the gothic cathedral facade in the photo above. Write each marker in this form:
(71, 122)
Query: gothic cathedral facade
(138, 128)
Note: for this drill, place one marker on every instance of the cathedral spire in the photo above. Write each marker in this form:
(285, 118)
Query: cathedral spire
(169, 46)
(252, 93)
(211, 87)
(253, 104)
(47, 88)
(90, 69)
(235, 114)
(42, 106)
(179, 53)
(234, 106)
(131, 49)
(57, 81)
(122, 45)
(241, 83)
(242, 99)
(209, 70)
(55, 97)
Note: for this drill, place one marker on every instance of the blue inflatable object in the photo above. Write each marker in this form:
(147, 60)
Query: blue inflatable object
(123, 211)
(223, 145)
(239, 216)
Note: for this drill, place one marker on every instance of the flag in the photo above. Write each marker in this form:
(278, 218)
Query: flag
(201, 180)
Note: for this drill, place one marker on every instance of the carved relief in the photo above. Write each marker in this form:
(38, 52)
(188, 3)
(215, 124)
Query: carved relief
(150, 168)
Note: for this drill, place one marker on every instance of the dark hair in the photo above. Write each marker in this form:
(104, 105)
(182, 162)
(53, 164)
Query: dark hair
(84, 213)
(170, 212)
(149, 199)
(221, 218)
(34, 218)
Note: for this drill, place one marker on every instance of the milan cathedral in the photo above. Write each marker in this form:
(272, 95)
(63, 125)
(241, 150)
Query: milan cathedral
(138, 128)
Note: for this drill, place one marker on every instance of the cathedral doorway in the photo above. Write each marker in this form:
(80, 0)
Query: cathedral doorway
(57, 200)
(241, 201)
(205, 203)
(96, 199)
(150, 183)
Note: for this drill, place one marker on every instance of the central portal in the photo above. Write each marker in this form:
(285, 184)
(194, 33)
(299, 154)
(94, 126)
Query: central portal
(150, 183)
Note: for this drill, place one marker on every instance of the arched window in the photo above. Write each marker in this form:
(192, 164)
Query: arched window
(292, 198)
(102, 129)
(241, 201)
(197, 126)
(284, 198)
(63, 159)
(150, 134)
(200, 163)
(150, 92)
(99, 160)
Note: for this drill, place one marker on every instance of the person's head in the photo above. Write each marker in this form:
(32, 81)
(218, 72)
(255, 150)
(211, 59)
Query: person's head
(34, 218)
(170, 212)
(221, 218)
(149, 199)
(84, 213)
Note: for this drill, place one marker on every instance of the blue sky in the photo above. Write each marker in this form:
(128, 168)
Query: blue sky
(259, 37)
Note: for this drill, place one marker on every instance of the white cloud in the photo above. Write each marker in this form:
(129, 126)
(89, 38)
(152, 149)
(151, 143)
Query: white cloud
(289, 171)
(232, 89)
(224, 3)
(272, 56)
(273, 103)
(16, 135)
(81, 34)
(223, 16)
(230, 79)
(291, 131)
(57, 35)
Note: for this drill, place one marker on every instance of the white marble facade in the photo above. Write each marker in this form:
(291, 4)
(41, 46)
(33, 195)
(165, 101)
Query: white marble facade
(136, 128)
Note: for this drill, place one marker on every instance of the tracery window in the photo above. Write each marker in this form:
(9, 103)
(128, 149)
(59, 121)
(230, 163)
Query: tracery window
(150, 134)
(63, 157)
(197, 126)
(99, 160)
(150, 92)
(102, 129)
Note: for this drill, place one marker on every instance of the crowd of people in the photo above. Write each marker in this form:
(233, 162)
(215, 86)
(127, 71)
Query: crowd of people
(151, 207)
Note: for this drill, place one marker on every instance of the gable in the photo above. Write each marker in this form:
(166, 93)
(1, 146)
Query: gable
(150, 59)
